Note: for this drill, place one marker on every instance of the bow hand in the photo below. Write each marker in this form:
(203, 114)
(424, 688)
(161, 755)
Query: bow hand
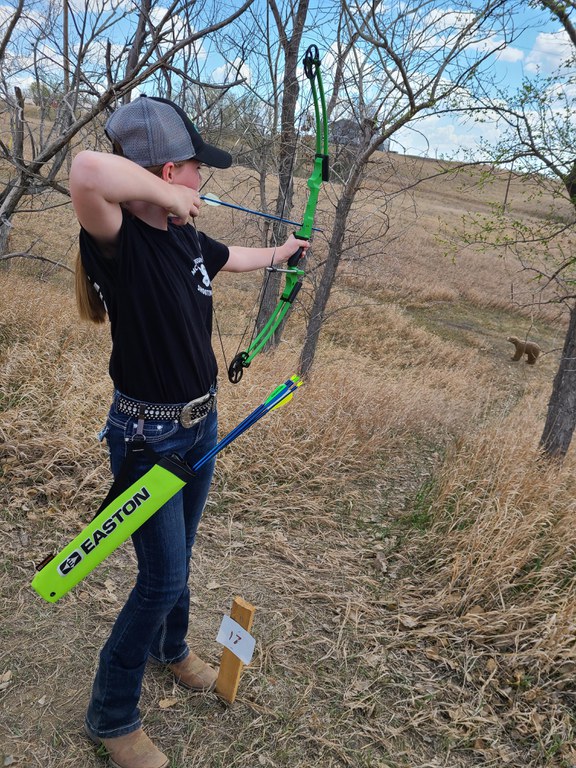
(302, 244)
(299, 254)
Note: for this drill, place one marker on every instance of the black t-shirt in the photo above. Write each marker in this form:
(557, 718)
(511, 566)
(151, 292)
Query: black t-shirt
(158, 297)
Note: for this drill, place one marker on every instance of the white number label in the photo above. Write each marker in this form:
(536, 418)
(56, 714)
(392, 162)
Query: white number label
(237, 639)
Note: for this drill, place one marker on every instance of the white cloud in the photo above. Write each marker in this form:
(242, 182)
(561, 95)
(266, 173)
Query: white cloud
(551, 49)
(29, 20)
(96, 6)
(434, 136)
(442, 20)
(510, 55)
(229, 72)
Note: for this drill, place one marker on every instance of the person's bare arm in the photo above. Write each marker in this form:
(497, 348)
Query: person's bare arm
(100, 182)
(243, 259)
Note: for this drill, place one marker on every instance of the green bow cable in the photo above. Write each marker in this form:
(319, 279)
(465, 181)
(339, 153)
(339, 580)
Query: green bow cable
(294, 275)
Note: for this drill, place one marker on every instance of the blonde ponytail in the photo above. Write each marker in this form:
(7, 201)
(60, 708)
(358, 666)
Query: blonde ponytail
(89, 303)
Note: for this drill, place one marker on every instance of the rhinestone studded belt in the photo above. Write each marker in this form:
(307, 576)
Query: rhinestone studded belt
(188, 415)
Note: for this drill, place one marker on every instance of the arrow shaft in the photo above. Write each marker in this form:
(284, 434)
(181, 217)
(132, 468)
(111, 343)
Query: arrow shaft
(250, 210)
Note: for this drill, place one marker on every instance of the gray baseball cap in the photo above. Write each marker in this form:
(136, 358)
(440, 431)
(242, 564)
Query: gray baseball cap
(154, 131)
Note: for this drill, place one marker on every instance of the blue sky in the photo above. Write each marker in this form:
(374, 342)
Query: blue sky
(541, 48)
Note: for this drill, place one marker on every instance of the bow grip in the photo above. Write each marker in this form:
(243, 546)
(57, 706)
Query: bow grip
(295, 258)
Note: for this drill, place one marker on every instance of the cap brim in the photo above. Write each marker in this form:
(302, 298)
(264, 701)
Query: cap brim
(216, 158)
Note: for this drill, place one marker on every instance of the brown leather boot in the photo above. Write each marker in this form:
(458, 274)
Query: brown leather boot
(134, 750)
(193, 673)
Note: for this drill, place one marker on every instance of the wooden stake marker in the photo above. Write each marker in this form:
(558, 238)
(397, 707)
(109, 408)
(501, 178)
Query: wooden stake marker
(230, 665)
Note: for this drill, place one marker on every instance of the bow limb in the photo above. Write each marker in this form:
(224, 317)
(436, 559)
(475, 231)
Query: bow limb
(243, 359)
(320, 172)
(294, 274)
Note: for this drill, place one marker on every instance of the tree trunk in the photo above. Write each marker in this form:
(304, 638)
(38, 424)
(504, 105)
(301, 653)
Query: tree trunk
(8, 205)
(136, 50)
(317, 313)
(16, 188)
(291, 89)
(561, 417)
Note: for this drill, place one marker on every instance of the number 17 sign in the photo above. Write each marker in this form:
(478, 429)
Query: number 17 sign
(237, 639)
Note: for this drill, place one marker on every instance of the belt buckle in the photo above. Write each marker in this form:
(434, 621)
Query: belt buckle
(186, 418)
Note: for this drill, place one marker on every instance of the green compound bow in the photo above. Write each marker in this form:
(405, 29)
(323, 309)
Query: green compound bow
(319, 174)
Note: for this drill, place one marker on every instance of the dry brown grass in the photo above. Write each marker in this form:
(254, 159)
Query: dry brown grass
(410, 558)
(496, 593)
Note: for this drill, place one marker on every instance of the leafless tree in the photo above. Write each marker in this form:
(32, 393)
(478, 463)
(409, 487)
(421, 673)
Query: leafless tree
(82, 60)
(397, 63)
(538, 139)
(290, 23)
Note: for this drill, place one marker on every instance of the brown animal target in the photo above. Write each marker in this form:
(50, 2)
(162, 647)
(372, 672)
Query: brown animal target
(528, 348)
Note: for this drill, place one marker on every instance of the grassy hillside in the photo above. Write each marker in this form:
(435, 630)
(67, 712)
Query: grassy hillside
(410, 558)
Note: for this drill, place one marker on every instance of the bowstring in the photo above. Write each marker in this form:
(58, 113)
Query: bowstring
(214, 312)
(265, 282)
(275, 230)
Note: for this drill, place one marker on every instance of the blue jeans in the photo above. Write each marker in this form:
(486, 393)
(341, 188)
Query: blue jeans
(154, 620)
